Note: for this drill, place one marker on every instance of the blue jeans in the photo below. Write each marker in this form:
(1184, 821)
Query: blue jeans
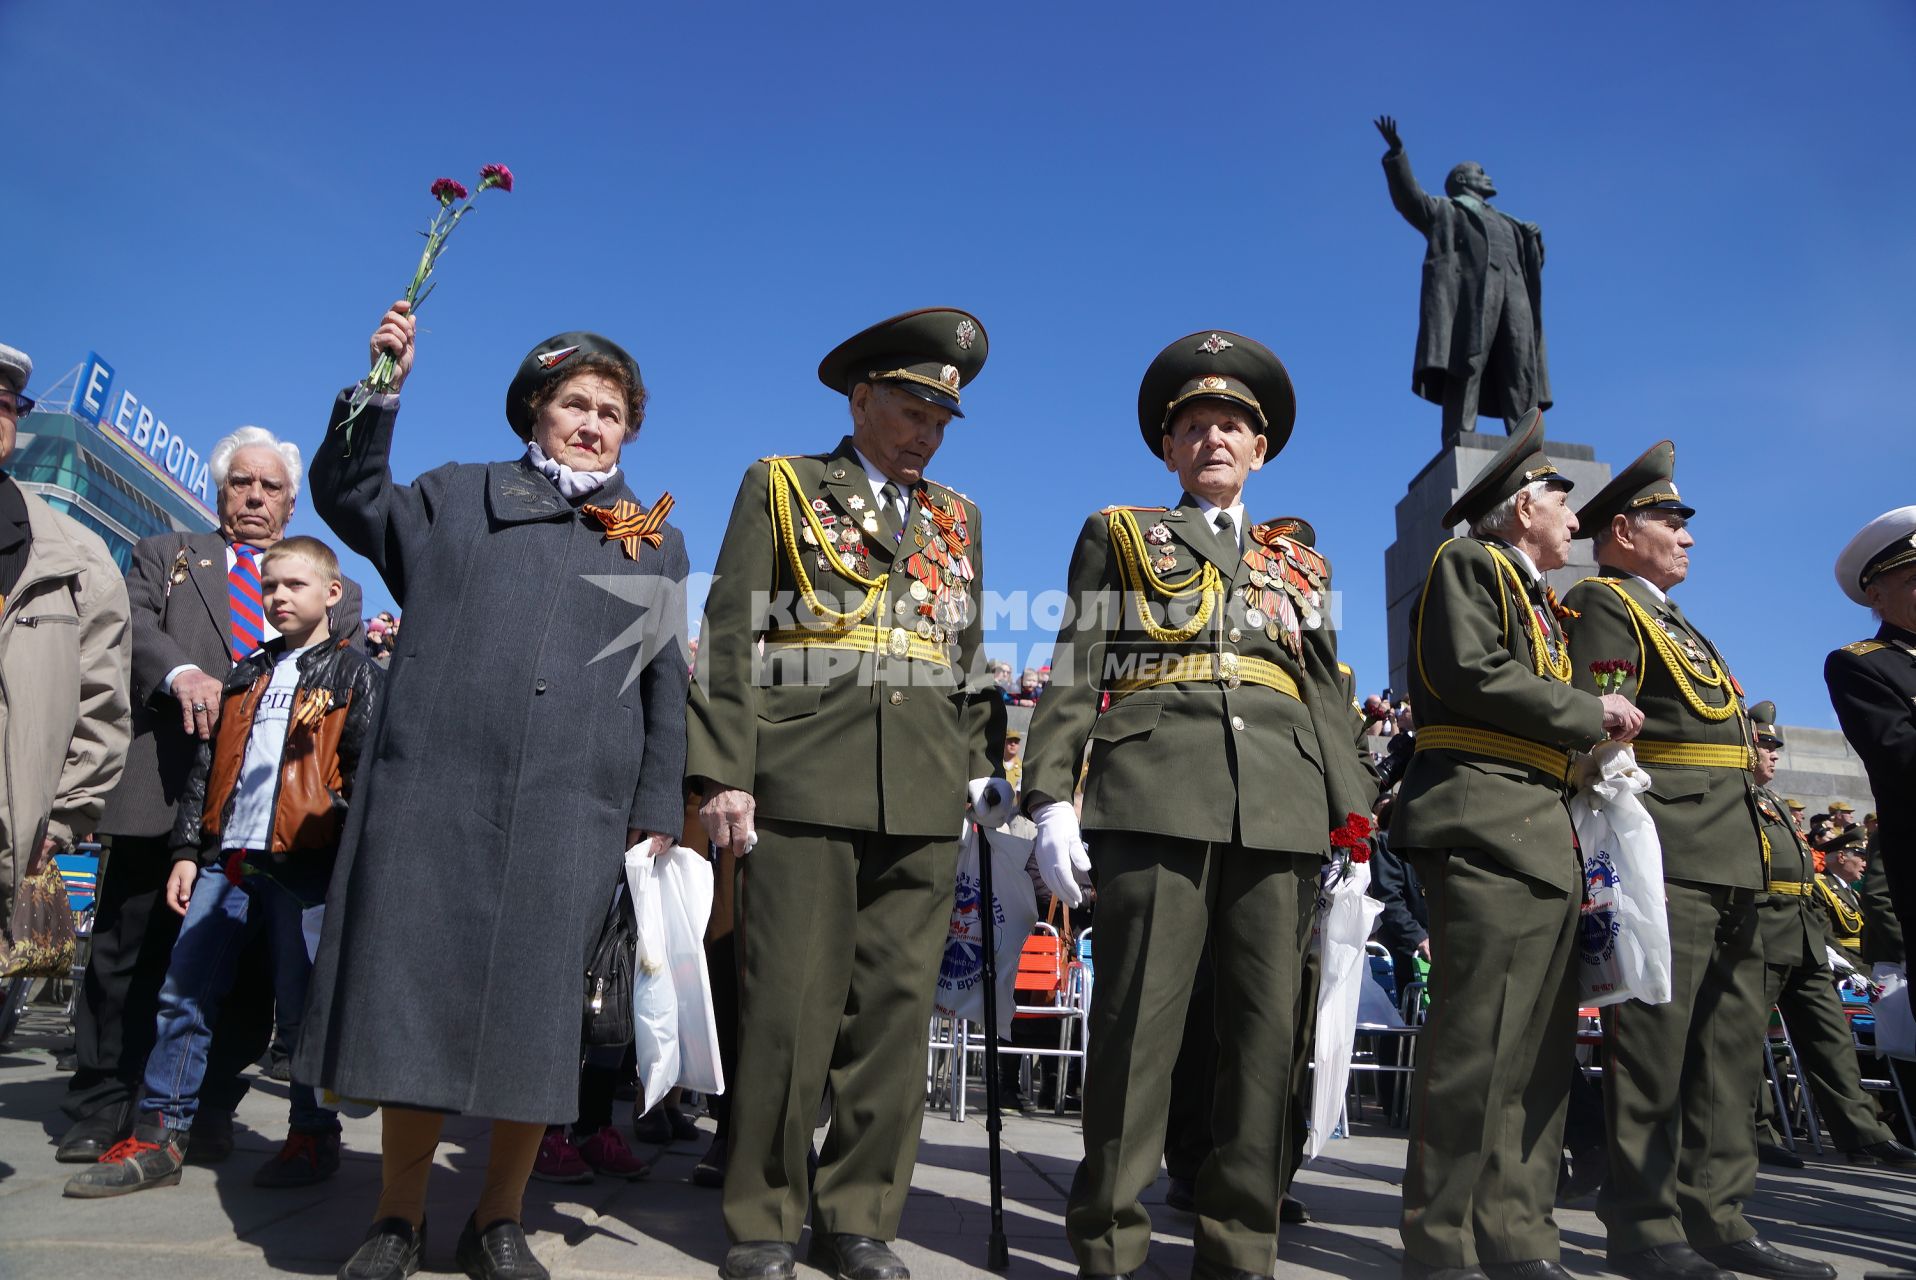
(220, 920)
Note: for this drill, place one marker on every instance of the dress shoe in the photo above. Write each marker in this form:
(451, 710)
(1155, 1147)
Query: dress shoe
(1535, 1269)
(151, 1157)
(1667, 1262)
(1292, 1212)
(90, 1136)
(1758, 1257)
(710, 1170)
(1181, 1195)
(211, 1139)
(1888, 1151)
(856, 1258)
(1415, 1270)
(1203, 1268)
(1777, 1157)
(305, 1160)
(391, 1251)
(500, 1252)
(759, 1260)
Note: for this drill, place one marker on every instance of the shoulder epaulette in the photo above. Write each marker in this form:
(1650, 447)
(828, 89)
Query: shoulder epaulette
(1864, 647)
(795, 457)
(948, 489)
(1122, 507)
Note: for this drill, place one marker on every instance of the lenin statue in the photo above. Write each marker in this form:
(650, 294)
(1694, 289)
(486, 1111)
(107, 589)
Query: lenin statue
(1480, 324)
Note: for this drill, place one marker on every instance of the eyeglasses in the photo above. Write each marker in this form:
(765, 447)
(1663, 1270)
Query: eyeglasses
(16, 404)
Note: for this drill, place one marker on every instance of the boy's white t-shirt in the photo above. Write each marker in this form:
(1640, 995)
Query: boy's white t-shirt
(251, 822)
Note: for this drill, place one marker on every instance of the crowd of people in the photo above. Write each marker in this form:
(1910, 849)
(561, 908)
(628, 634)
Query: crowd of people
(382, 866)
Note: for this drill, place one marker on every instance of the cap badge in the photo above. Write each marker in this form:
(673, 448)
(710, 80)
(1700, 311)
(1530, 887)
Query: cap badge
(967, 334)
(949, 376)
(1212, 382)
(553, 359)
(1215, 343)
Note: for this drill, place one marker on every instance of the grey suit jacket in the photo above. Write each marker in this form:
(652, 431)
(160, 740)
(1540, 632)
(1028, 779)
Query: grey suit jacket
(174, 624)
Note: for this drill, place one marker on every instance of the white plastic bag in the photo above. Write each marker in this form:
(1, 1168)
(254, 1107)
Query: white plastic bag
(1345, 914)
(655, 1005)
(686, 903)
(1623, 952)
(1895, 1027)
(961, 989)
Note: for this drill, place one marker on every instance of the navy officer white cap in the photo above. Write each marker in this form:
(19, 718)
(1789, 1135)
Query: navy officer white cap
(1885, 542)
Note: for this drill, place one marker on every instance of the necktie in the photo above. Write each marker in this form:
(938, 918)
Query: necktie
(1226, 530)
(893, 499)
(242, 593)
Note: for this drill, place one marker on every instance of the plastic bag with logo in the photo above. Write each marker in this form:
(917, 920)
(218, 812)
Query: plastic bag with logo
(685, 902)
(1624, 951)
(961, 990)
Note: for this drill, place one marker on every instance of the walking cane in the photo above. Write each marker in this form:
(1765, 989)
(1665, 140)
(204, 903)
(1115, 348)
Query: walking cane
(997, 1251)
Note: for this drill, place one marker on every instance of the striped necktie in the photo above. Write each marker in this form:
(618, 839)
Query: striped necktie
(242, 593)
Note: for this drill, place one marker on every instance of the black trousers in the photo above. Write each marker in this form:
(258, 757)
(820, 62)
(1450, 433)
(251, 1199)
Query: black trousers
(721, 961)
(117, 1008)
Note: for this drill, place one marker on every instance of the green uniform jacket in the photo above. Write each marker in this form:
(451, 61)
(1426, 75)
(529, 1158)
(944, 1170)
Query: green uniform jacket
(1882, 930)
(1198, 760)
(1474, 667)
(845, 737)
(1705, 817)
(1792, 924)
(1843, 911)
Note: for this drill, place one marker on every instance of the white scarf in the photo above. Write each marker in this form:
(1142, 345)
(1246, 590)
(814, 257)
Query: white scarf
(573, 484)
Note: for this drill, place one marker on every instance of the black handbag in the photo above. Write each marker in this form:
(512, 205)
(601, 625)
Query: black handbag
(608, 975)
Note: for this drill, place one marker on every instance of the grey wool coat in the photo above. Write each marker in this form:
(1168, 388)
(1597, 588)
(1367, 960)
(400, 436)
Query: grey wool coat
(515, 747)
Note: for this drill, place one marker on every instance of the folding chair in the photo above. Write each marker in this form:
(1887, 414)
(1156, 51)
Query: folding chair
(1052, 983)
(1778, 1033)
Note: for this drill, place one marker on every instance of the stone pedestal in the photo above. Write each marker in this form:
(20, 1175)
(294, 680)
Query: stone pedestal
(1420, 532)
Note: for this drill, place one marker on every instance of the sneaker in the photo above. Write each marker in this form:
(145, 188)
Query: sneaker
(391, 1251)
(710, 1170)
(606, 1152)
(558, 1160)
(152, 1157)
(305, 1159)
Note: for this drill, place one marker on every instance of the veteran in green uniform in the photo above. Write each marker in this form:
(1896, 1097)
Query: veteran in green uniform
(839, 706)
(1218, 768)
(1836, 895)
(1797, 979)
(1676, 1097)
(1482, 818)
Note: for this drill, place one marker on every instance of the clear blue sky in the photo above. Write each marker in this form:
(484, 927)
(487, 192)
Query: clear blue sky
(221, 199)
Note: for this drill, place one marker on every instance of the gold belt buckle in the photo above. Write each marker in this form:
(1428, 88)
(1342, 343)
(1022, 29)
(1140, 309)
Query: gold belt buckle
(900, 643)
(1227, 670)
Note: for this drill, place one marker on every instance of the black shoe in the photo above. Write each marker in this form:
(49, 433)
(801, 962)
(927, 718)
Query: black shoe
(759, 1260)
(91, 1136)
(684, 1127)
(151, 1157)
(710, 1170)
(1777, 1157)
(1415, 1270)
(278, 1067)
(1291, 1211)
(391, 1251)
(1667, 1262)
(305, 1160)
(1536, 1269)
(1758, 1257)
(856, 1258)
(500, 1252)
(1181, 1195)
(211, 1140)
(1888, 1151)
(654, 1127)
(1203, 1268)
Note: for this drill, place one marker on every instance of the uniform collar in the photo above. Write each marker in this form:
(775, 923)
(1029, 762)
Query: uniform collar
(1522, 557)
(1210, 510)
(517, 493)
(1663, 597)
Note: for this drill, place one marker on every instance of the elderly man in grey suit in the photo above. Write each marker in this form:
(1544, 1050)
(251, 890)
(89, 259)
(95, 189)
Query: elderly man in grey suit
(196, 611)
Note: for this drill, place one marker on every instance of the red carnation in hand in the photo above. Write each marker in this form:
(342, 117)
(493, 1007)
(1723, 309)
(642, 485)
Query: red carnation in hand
(495, 175)
(445, 191)
(1354, 835)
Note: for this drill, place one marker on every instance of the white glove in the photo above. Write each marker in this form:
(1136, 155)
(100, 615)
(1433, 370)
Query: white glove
(1060, 851)
(989, 800)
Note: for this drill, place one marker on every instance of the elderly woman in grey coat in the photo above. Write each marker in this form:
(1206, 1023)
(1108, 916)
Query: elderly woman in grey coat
(533, 729)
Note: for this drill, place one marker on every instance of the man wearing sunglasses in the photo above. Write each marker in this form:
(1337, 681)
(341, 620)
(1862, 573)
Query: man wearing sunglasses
(64, 715)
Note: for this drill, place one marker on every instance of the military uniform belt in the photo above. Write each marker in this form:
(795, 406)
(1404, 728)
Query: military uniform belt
(1853, 944)
(1791, 888)
(1495, 746)
(893, 642)
(1227, 669)
(1720, 756)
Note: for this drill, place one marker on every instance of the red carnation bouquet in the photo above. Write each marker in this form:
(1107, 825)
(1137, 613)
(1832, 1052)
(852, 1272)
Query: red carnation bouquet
(1612, 673)
(448, 192)
(1353, 837)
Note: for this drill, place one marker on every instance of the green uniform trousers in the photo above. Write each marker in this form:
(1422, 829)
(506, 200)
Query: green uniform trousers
(1813, 1012)
(1494, 1061)
(1676, 1081)
(840, 934)
(1161, 901)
